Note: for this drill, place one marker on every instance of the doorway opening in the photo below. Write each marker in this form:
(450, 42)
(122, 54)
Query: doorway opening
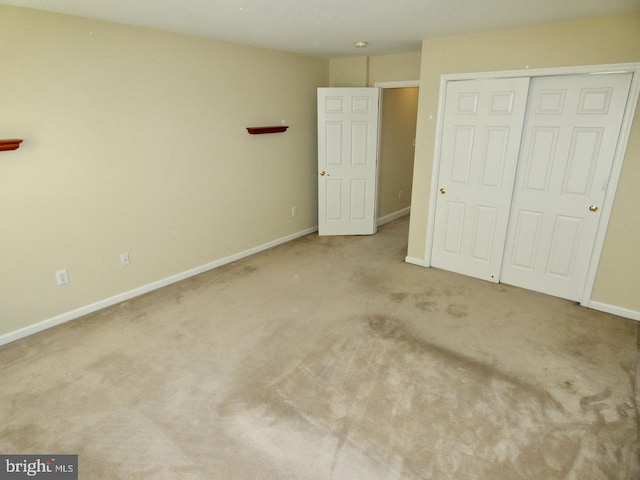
(349, 161)
(398, 118)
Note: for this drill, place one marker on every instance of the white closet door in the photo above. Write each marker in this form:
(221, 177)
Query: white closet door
(482, 129)
(571, 133)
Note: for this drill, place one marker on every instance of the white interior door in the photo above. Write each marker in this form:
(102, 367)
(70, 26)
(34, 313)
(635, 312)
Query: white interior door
(482, 129)
(347, 160)
(571, 134)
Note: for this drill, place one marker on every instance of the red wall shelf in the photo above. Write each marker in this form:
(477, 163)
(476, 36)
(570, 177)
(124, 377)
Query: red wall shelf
(272, 129)
(11, 144)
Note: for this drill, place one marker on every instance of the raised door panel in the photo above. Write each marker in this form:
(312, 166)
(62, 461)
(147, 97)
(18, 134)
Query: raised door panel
(333, 141)
(333, 199)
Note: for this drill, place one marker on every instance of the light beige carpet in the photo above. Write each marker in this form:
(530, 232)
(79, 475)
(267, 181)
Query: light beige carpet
(330, 358)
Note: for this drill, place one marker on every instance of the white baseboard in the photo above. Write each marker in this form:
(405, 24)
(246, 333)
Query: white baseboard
(620, 311)
(94, 307)
(415, 261)
(393, 216)
(107, 302)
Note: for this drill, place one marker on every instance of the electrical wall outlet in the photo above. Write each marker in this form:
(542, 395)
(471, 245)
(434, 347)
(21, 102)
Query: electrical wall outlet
(124, 259)
(294, 211)
(400, 194)
(62, 277)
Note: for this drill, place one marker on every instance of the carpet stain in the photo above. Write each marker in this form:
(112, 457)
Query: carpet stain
(398, 297)
(457, 311)
(377, 387)
(427, 306)
(592, 402)
(20, 437)
(368, 277)
(425, 302)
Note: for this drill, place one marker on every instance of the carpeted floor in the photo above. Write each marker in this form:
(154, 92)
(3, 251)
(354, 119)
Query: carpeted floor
(331, 358)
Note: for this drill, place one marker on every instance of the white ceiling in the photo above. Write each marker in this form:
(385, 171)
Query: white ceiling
(328, 28)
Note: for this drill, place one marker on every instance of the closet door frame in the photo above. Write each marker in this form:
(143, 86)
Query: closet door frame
(625, 129)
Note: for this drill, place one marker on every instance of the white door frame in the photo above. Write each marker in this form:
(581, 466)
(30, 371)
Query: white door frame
(401, 84)
(616, 168)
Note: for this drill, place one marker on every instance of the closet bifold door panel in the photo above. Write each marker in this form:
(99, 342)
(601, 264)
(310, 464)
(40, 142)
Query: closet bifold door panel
(481, 135)
(524, 167)
(570, 137)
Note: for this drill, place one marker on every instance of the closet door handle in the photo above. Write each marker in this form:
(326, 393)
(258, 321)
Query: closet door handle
(443, 190)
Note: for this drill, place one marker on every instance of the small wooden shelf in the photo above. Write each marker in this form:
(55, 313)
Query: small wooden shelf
(270, 129)
(11, 144)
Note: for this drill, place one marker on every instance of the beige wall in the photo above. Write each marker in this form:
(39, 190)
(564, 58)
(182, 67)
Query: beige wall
(135, 141)
(367, 71)
(349, 72)
(394, 68)
(395, 171)
(593, 41)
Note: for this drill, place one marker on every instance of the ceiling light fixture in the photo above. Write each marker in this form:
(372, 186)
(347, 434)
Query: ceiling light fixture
(361, 44)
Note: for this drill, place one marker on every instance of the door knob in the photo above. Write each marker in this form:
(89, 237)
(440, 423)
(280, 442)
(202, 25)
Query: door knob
(443, 190)
(593, 208)
(323, 173)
